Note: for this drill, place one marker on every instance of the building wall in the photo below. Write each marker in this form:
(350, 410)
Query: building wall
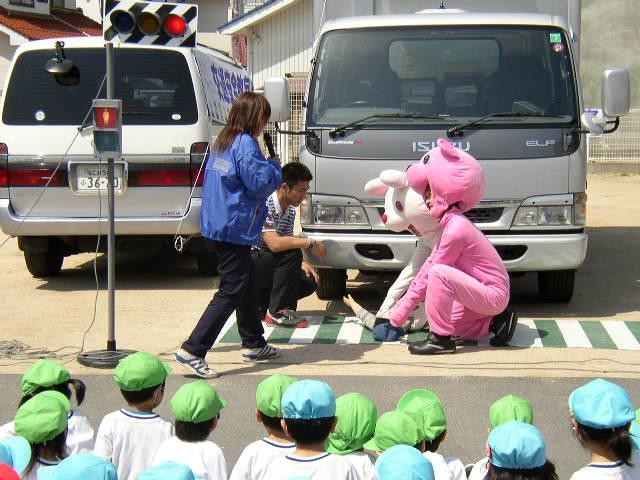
(282, 43)
(38, 7)
(6, 54)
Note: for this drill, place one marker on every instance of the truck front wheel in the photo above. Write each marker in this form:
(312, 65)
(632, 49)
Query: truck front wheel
(556, 286)
(44, 264)
(332, 283)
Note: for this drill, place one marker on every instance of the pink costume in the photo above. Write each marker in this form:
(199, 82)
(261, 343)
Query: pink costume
(463, 282)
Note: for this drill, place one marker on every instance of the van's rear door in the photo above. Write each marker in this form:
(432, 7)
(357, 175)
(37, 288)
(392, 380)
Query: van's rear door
(47, 129)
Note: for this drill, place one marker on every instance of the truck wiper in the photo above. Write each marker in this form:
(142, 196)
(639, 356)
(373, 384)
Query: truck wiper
(457, 131)
(347, 126)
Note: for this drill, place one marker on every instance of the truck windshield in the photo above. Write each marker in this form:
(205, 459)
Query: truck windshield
(154, 85)
(443, 75)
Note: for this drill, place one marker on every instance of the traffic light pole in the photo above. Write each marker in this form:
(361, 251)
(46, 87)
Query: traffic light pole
(110, 357)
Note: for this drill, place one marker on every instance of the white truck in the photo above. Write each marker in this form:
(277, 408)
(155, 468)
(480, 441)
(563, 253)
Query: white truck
(500, 79)
(53, 194)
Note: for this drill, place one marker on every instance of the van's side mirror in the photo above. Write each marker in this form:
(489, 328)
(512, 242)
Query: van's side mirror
(276, 90)
(615, 92)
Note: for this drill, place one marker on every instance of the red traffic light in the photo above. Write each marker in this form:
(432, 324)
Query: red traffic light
(175, 25)
(105, 117)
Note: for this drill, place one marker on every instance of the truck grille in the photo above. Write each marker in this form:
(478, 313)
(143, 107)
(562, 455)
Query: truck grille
(476, 215)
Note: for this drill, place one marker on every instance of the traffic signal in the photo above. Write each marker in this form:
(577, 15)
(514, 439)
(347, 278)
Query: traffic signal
(150, 23)
(107, 128)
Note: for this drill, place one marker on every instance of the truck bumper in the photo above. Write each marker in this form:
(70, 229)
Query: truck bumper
(79, 226)
(520, 253)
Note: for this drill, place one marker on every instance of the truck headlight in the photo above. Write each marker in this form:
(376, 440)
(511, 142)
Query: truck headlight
(540, 213)
(320, 214)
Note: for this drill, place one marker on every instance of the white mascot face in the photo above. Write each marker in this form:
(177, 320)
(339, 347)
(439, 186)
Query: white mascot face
(404, 208)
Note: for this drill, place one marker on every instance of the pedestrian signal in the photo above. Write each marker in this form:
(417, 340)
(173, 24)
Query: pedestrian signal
(107, 128)
(150, 23)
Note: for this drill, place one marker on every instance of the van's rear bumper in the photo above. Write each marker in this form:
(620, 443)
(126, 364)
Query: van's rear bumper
(521, 253)
(77, 226)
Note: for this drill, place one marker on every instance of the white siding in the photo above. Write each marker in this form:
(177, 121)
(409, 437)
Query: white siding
(6, 54)
(282, 43)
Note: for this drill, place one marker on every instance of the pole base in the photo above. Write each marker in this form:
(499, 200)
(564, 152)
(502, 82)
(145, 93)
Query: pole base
(103, 358)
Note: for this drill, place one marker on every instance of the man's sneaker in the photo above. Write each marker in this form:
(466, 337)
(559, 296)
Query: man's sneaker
(433, 345)
(285, 318)
(503, 326)
(260, 354)
(195, 364)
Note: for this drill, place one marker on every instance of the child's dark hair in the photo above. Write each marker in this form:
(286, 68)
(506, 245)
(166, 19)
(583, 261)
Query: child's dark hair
(193, 432)
(271, 423)
(432, 445)
(64, 388)
(545, 472)
(617, 439)
(140, 396)
(309, 431)
(56, 446)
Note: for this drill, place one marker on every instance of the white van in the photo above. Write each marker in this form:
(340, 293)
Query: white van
(175, 100)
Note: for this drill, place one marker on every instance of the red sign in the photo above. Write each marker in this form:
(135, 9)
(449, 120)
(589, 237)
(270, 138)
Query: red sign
(106, 117)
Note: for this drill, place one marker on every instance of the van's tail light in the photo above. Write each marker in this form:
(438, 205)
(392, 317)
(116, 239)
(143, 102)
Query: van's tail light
(199, 153)
(162, 177)
(4, 172)
(37, 177)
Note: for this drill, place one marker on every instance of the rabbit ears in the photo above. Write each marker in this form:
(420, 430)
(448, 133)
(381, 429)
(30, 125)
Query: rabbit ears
(388, 179)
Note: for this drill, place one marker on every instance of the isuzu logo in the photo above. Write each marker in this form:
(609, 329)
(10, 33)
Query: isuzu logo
(426, 146)
(540, 143)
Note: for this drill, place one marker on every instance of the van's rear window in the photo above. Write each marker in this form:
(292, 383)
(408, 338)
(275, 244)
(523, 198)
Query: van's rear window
(155, 87)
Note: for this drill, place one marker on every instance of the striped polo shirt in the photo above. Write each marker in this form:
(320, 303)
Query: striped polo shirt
(278, 220)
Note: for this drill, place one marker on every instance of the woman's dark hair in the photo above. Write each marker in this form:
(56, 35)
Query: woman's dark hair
(617, 439)
(57, 447)
(193, 432)
(309, 431)
(64, 388)
(545, 472)
(249, 112)
(272, 423)
(140, 396)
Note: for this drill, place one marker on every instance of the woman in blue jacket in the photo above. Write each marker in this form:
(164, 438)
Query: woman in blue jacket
(238, 180)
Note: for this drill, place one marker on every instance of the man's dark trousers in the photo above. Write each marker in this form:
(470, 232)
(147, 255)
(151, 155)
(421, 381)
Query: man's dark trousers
(281, 281)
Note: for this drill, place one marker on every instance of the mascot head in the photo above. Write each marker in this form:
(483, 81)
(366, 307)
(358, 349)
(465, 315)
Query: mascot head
(454, 176)
(404, 208)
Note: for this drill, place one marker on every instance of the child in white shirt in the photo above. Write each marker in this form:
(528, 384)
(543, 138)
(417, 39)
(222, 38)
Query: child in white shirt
(48, 375)
(196, 407)
(357, 417)
(309, 416)
(254, 459)
(601, 416)
(130, 437)
(427, 411)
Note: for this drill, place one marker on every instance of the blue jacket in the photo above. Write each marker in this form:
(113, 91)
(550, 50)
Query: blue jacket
(237, 183)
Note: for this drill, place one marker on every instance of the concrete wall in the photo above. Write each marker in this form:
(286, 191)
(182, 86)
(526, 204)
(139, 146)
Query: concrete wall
(610, 33)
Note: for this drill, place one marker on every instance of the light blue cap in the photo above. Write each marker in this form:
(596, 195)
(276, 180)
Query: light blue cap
(83, 466)
(517, 445)
(403, 462)
(15, 452)
(308, 399)
(168, 471)
(601, 404)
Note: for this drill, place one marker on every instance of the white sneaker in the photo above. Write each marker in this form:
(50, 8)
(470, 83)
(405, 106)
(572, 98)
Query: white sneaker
(195, 364)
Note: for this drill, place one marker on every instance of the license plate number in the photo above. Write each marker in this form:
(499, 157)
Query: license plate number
(93, 178)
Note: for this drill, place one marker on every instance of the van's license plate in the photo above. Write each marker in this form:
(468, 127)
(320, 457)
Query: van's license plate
(93, 178)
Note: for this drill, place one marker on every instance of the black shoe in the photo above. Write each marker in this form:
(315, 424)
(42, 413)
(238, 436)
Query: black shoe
(433, 345)
(503, 326)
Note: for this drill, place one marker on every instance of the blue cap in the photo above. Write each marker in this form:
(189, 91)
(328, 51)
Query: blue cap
(168, 471)
(308, 399)
(15, 452)
(82, 466)
(403, 462)
(385, 332)
(601, 404)
(517, 445)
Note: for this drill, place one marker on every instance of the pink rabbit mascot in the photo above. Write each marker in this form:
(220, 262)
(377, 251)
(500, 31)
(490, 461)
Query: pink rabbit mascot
(464, 283)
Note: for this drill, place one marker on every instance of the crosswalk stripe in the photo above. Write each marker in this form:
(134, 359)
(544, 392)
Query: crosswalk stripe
(573, 334)
(621, 335)
(530, 333)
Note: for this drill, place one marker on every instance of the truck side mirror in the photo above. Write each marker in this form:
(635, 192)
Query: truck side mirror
(615, 92)
(276, 90)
